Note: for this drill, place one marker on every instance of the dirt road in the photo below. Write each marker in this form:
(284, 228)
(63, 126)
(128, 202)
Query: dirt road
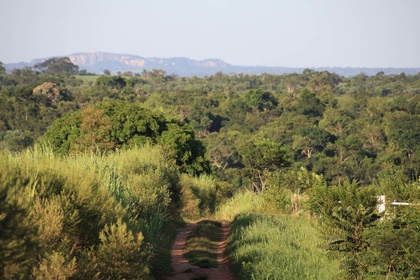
(185, 271)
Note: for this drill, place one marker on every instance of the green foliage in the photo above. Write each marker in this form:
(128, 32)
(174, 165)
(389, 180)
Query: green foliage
(262, 157)
(394, 250)
(345, 212)
(278, 196)
(56, 266)
(357, 129)
(242, 202)
(312, 114)
(116, 125)
(394, 246)
(264, 247)
(18, 233)
(190, 153)
(64, 133)
(2, 69)
(259, 100)
(57, 65)
(394, 184)
(87, 216)
(111, 82)
(120, 255)
(310, 105)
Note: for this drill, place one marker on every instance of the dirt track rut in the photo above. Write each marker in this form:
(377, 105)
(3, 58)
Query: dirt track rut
(183, 270)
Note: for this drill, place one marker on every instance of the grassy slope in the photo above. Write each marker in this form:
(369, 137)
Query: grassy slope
(270, 247)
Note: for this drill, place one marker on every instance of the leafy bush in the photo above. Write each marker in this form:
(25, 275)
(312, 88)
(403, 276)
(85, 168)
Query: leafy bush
(55, 266)
(121, 254)
(394, 251)
(19, 242)
(345, 212)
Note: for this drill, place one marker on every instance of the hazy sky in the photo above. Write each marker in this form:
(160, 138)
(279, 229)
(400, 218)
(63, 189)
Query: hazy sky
(292, 33)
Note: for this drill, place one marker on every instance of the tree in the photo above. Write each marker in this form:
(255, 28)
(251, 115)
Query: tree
(310, 105)
(57, 65)
(117, 125)
(107, 72)
(116, 83)
(311, 140)
(2, 69)
(95, 130)
(49, 90)
(190, 153)
(260, 100)
(121, 254)
(262, 157)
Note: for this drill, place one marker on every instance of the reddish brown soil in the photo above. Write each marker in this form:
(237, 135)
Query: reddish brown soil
(186, 271)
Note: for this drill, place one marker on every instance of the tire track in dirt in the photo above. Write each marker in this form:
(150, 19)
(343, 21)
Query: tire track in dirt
(183, 270)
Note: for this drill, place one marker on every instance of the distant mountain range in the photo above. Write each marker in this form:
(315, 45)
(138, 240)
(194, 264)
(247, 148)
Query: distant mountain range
(97, 62)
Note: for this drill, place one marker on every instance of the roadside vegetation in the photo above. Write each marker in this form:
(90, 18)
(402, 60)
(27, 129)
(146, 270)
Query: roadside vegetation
(97, 172)
(89, 216)
(279, 247)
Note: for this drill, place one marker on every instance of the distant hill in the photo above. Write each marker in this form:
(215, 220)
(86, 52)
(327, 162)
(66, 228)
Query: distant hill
(97, 62)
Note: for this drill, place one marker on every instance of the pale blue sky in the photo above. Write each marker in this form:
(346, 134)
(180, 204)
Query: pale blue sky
(293, 33)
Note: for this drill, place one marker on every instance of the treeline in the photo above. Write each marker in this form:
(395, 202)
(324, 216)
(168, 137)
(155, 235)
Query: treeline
(331, 125)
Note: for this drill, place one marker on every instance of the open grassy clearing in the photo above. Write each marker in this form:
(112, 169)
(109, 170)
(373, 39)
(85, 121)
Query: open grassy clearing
(88, 78)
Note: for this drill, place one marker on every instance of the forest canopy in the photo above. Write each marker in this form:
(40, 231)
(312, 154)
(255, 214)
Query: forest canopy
(332, 125)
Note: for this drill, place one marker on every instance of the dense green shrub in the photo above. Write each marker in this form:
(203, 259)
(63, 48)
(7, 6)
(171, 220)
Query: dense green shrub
(345, 212)
(394, 251)
(121, 254)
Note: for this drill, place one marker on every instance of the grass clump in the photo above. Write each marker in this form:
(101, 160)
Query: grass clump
(268, 247)
(201, 246)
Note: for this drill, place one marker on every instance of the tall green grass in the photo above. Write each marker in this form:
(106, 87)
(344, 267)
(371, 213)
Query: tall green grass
(62, 213)
(242, 202)
(269, 247)
(199, 196)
